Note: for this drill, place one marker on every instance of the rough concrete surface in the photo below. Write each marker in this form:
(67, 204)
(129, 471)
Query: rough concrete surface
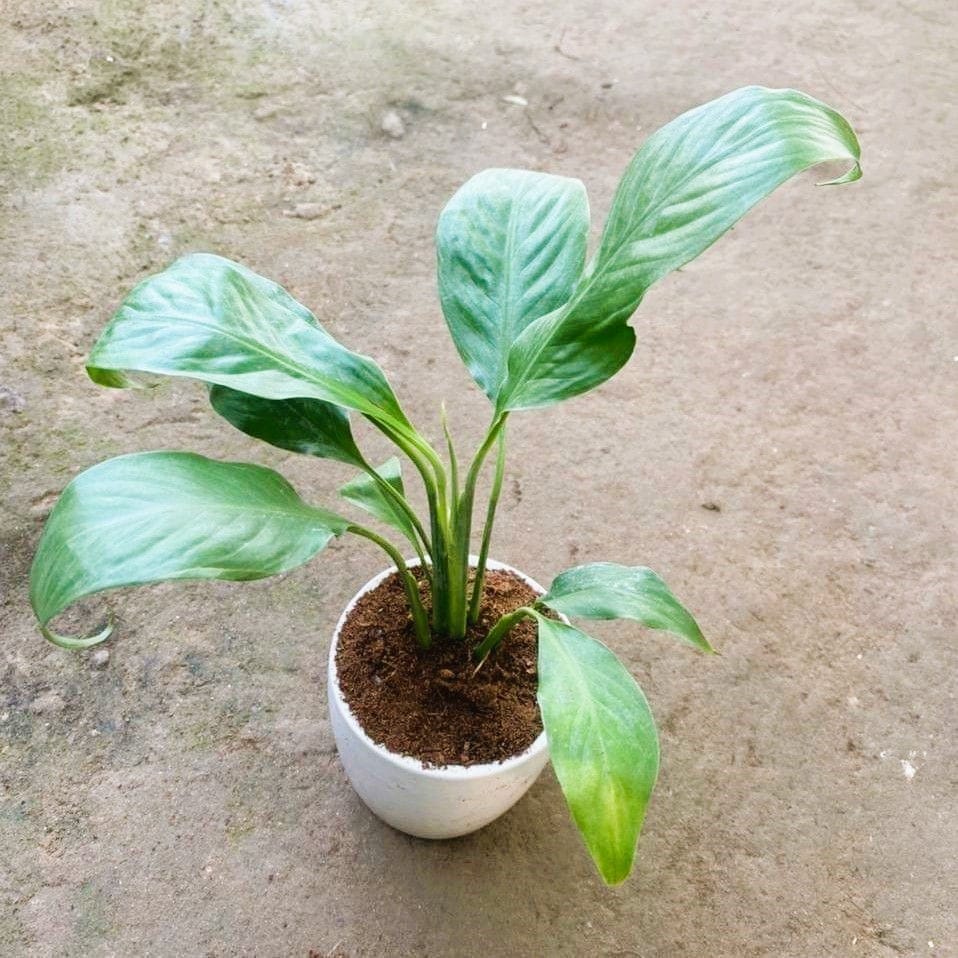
(782, 448)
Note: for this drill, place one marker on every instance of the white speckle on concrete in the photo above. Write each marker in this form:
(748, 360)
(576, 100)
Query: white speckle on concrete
(392, 125)
(100, 659)
(265, 112)
(49, 703)
(908, 769)
(307, 211)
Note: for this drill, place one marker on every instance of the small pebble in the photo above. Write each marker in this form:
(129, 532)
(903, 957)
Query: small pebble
(49, 703)
(392, 125)
(265, 112)
(11, 400)
(100, 658)
(307, 211)
(446, 674)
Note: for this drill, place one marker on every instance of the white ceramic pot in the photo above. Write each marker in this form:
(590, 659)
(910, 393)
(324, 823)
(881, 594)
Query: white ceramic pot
(427, 802)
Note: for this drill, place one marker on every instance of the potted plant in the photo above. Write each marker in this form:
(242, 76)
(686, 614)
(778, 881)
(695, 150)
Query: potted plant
(446, 634)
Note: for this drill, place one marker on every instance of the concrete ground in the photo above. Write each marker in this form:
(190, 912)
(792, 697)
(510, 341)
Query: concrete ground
(782, 448)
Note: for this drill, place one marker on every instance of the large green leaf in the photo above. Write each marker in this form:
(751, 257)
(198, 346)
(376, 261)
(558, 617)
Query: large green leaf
(606, 590)
(155, 516)
(308, 426)
(211, 319)
(511, 247)
(690, 182)
(366, 493)
(602, 741)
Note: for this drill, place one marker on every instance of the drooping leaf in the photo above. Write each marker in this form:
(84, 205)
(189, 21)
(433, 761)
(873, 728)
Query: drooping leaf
(211, 319)
(156, 516)
(308, 426)
(602, 741)
(690, 182)
(511, 247)
(366, 493)
(606, 590)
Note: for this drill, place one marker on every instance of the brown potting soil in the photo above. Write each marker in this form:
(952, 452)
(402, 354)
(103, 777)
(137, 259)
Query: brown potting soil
(431, 704)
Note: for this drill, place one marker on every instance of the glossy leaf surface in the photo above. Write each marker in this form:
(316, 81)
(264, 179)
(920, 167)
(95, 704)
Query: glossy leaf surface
(307, 426)
(366, 493)
(690, 182)
(602, 741)
(606, 590)
(511, 247)
(156, 516)
(211, 319)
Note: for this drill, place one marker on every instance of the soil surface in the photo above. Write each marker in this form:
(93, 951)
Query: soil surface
(781, 449)
(435, 704)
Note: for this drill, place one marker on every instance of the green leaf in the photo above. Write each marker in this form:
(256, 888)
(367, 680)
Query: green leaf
(307, 426)
(690, 182)
(366, 493)
(511, 247)
(605, 590)
(156, 516)
(211, 319)
(602, 741)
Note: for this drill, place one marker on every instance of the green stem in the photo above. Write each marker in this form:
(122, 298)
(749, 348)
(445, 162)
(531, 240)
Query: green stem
(413, 450)
(499, 631)
(445, 597)
(453, 462)
(425, 450)
(497, 425)
(419, 618)
(477, 585)
(440, 573)
(444, 537)
(459, 564)
(430, 468)
(420, 542)
(432, 457)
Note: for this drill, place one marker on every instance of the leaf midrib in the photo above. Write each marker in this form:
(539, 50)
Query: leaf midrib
(245, 510)
(583, 691)
(502, 357)
(286, 365)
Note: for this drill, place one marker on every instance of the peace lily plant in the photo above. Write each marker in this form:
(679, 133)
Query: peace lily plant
(535, 323)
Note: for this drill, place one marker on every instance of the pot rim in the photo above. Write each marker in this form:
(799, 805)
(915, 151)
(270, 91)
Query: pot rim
(407, 762)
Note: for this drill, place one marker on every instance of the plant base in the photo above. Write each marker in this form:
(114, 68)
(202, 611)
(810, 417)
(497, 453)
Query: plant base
(429, 802)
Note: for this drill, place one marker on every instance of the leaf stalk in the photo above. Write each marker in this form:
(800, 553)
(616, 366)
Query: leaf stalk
(477, 586)
(419, 617)
(501, 629)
